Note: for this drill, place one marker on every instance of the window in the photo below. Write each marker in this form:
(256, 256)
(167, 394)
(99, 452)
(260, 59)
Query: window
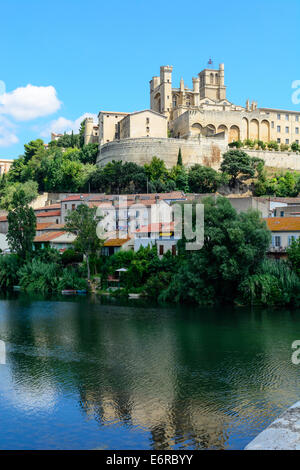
(278, 129)
(297, 118)
(287, 130)
(278, 116)
(287, 141)
(277, 240)
(278, 140)
(291, 238)
(147, 129)
(287, 117)
(297, 142)
(297, 130)
(272, 124)
(66, 206)
(147, 120)
(161, 249)
(174, 250)
(281, 213)
(73, 207)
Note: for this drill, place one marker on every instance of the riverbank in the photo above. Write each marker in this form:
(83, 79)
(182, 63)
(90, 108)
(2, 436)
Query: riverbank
(282, 434)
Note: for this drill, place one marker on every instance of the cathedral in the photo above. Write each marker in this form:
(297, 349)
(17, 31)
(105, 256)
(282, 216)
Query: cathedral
(201, 121)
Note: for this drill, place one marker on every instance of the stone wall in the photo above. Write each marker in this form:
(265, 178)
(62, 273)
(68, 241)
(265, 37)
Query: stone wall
(286, 160)
(205, 151)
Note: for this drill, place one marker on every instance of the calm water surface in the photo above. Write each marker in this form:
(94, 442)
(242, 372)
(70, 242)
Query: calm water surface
(83, 374)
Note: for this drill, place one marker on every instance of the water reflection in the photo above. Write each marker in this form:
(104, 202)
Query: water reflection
(89, 374)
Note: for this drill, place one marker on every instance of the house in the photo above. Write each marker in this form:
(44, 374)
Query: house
(284, 230)
(3, 224)
(113, 245)
(52, 216)
(160, 234)
(55, 239)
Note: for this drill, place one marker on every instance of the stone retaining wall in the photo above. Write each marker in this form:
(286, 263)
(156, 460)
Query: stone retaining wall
(205, 151)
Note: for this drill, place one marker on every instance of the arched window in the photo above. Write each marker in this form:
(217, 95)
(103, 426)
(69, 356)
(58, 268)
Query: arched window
(211, 78)
(174, 101)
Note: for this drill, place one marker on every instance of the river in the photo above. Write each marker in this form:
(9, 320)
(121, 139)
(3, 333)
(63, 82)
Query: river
(86, 373)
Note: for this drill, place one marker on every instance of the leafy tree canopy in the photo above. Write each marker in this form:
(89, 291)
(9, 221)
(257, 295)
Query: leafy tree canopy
(21, 225)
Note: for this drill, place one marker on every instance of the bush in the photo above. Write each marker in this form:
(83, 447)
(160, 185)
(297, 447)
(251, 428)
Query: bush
(47, 255)
(274, 283)
(70, 280)
(236, 144)
(284, 147)
(157, 283)
(295, 147)
(71, 256)
(9, 265)
(272, 145)
(39, 276)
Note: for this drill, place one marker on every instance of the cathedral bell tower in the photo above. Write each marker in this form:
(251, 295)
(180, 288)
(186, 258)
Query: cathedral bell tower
(212, 84)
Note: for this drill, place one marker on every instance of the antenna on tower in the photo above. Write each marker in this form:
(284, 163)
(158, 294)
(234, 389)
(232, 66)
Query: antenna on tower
(210, 62)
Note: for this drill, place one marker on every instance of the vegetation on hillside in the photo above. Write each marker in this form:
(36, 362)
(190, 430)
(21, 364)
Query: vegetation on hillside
(67, 165)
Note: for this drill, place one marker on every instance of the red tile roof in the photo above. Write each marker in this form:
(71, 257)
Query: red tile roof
(43, 225)
(75, 197)
(48, 236)
(48, 208)
(283, 224)
(116, 241)
(48, 214)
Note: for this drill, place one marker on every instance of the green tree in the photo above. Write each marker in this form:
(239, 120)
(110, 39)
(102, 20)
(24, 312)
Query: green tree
(156, 170)
(203, 179)
(234, 246)
(83, 222)
(179, 158)
(238, 163)
(81, 134)
(21, 226)
(293, 254)
(28, 189)
(32, 148)
(88, 154)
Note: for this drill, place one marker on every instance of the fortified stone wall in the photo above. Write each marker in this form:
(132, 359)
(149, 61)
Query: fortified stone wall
(205, 151)
(287, 160)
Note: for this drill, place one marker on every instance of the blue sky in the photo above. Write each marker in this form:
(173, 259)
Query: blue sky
(62, 59)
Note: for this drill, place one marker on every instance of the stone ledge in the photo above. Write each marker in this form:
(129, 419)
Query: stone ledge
(282, 434)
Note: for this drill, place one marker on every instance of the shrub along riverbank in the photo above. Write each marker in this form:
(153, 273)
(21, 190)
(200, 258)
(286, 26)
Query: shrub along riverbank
(231, 267)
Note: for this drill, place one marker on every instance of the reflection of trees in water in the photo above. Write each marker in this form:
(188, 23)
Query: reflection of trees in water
(160, 370)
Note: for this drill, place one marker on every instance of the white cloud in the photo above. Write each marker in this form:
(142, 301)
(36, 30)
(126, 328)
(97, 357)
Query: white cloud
(7, 133)
(62, 124)
(29, 102)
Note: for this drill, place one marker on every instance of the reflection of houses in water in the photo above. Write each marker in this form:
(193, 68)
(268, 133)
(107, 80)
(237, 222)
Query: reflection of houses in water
(124, 393)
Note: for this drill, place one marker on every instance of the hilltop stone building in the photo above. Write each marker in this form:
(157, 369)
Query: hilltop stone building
(201, 121)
